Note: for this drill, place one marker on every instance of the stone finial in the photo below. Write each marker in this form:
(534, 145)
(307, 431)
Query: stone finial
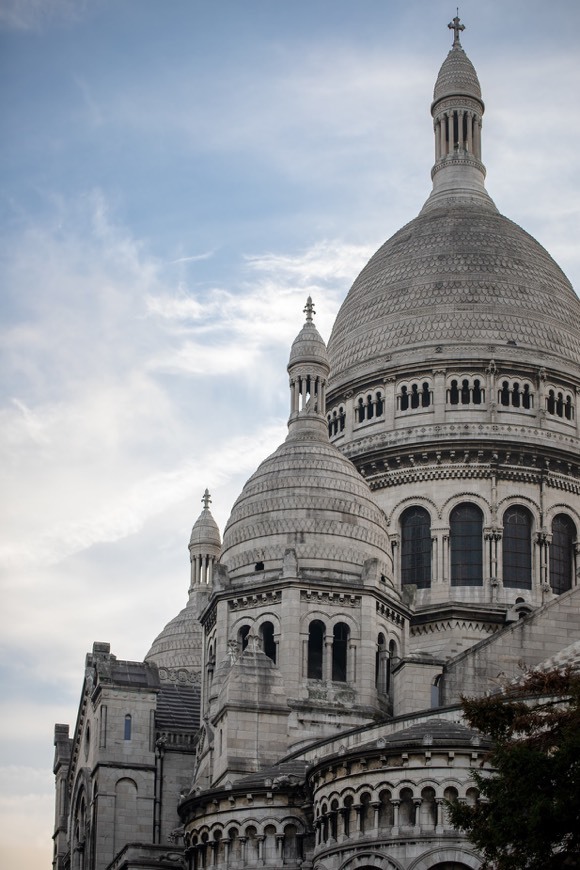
(206, 499)
(456, 27)
(309, 310)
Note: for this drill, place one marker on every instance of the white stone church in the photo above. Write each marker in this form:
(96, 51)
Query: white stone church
(415, 538)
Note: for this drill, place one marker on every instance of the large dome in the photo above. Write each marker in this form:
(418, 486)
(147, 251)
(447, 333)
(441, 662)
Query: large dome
(455, 276)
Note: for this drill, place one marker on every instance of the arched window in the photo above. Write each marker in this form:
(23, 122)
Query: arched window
(416, 547)
(381, 658)
(517, 548)
(404, 402)
(316, 633)
(268, 642)
(426, 395)
(454, 394)
(339, 652)
(128, 724)
(562, 553)
(243, 637)
(390, 663)
(466, 539)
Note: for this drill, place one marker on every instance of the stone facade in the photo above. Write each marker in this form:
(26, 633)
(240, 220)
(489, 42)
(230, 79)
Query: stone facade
(415, 538)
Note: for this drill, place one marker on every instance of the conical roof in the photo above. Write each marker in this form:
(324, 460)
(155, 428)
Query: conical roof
(308, 346)
(457, 76)
(205, 532)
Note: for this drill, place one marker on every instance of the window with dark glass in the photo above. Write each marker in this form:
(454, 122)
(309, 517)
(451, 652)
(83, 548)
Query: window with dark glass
(339, 652)
(466, 541)
(517, 548)
(562, 553)
(315, 645)
(416, 547)
(128, 724)
(268, 642)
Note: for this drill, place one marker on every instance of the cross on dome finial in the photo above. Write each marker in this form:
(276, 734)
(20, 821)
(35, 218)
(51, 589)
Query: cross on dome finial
(309, 309)
(456, 27)
(206, 500)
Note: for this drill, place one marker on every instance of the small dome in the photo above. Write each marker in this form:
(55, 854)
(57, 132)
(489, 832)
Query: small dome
(308, 346)
(457, 76)
(205, 532)
(307, 497)
(179, 644)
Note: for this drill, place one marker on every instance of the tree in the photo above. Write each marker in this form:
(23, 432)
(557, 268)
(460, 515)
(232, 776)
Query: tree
(528, 815)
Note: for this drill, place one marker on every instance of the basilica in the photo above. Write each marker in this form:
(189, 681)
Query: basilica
(415, 538)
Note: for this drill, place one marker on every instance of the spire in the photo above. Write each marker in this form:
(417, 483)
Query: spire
(457, 109)
(308, 370)
(456, 27)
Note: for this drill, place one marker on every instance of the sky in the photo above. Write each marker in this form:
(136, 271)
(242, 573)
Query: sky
(176, 177)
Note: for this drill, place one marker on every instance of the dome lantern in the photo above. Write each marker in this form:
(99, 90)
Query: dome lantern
(204, 546)
(308, 370)
(457, 111)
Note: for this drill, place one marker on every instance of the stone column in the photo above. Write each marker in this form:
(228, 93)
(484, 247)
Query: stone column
(470, 132)
(396, 804)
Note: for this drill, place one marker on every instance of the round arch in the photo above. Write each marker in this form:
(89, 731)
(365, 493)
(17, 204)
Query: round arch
(451, 858)
(370, 860)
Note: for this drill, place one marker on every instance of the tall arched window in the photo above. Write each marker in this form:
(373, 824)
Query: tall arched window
(466, 539)
(127, 728)
(316, 633)
(339, 652)
(268, 642)
(562, 553)
(416, 547)
(517, 548)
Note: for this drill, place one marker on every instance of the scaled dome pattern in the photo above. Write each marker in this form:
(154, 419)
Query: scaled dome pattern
(179, 644)
(457, 76)
(308, 497)
(451, 276)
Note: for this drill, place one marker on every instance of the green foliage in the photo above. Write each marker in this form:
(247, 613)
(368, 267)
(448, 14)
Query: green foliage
(528, 816)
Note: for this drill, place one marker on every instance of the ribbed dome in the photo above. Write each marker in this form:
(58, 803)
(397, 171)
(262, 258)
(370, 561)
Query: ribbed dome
(308, 346)
(308, 497)
(205, 531)
(453, 277)
(457, 76)
(179, 644)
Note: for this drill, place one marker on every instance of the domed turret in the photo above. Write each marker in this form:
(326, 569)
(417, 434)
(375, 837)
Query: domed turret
(306, 496)
(204, 546)
(179, 645)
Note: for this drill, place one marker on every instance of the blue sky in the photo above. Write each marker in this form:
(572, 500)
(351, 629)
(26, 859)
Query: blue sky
(176, 178)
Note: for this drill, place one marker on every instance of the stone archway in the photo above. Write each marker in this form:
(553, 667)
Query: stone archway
(451, 858)
(370, 860)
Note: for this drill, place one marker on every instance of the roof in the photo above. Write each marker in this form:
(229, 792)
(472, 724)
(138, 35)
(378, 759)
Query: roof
(178, 707)
(454, 277)
(457, 76)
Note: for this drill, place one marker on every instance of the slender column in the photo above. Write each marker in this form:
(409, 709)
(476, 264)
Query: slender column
(327, 663)
(376, 805)
(396, 804)
(460, 139)
(260, 840)
(280, 848)
(417, 811)
(439, 823)
(470, 131)
(478, 138)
